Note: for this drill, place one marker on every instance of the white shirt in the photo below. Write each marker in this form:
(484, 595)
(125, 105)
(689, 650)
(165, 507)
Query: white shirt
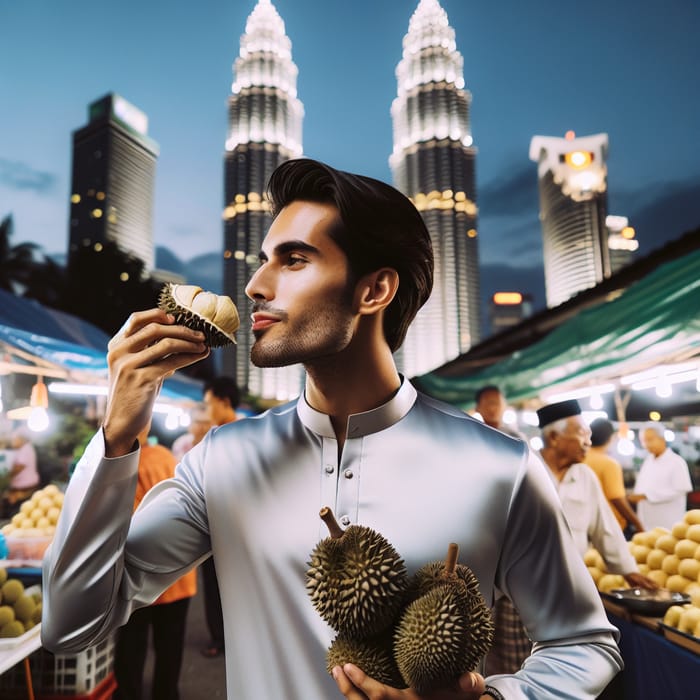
(591, 520)
(418, 471)
(665, 481)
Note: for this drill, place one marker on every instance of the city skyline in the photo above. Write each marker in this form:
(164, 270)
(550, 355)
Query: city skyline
(626, 69)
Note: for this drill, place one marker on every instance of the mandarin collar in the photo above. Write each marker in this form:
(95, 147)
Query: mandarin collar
(365, 423)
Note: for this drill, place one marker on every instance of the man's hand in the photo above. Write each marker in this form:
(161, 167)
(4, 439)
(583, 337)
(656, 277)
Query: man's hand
(148, 349)
(356, 685)
(637, 580)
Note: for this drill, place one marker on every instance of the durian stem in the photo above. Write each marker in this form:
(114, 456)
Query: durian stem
(451, 559)
(331, 523)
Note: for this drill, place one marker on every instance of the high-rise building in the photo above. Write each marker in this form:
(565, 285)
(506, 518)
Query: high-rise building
(572, 176)
(264, 129)
(114, 165)
(622, 243)
(433, 162)
(508, 309)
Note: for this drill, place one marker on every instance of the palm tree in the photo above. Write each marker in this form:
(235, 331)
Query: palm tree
(17, 263)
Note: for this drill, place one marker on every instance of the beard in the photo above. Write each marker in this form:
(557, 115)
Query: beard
(322, 330)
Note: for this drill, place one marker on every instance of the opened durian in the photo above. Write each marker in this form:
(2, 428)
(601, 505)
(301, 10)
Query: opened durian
(213, 314)
(444, 632)
(356, 580)
(373, 655)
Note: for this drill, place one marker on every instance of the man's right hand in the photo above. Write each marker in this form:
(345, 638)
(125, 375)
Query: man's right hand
(148, 348)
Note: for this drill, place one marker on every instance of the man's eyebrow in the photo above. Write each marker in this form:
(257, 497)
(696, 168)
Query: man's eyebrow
(289, 247)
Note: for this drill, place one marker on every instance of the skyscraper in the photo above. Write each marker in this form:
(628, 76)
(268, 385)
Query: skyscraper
(264, 129)
(114, 164)
(433, 163)
(622, 243)
(572, 176)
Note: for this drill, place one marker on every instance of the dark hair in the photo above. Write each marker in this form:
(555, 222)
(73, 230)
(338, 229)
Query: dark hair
(380, 228)
(224, 388)
(601, 431)
(485, 390)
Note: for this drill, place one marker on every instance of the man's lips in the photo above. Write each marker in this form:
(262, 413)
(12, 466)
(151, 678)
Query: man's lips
(262, 321)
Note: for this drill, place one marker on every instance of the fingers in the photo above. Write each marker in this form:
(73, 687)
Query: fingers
(473, 684)
(347, 686)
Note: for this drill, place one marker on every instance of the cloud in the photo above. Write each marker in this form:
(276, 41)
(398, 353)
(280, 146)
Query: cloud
(20, 176)
(514, 193)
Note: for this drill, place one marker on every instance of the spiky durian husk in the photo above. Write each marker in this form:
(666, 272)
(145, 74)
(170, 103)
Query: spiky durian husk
(213, 335)
(433, 574)
(357, 582)
(442, 635)
(373, 655)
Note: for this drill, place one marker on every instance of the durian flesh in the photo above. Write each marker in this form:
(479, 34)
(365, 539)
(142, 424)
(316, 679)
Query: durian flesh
(213, 314)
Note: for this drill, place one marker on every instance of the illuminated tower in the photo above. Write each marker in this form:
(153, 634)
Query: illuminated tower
(573, 205)
(622, 243)
(264, 129)
(433, 163)
(114, 167)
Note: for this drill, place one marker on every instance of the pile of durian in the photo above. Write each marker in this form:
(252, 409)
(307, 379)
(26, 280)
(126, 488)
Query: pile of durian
(38, 515)
(19, 611)
(685, 618)
(421, 632)
(670, 558)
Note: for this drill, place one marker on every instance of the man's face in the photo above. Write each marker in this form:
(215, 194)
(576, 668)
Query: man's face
(491, 407)
(653, 442)
(303, 307)
(573, 442)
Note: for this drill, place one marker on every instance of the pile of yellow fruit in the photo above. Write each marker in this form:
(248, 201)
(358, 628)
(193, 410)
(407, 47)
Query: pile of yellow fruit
(38, 515)
(19, 611)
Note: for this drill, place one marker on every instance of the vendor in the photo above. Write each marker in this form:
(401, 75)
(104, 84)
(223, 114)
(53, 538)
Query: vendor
(24, 474)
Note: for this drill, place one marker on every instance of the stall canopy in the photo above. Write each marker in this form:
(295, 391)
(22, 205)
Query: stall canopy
(50, 342)
(653, 321)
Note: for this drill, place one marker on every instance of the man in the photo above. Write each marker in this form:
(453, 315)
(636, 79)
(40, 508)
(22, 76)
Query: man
(663, 482)
(24, 472)
(609, 473)
(166, 618)
(567, 438)
(221, 398)
(491, 405)
(345, 266)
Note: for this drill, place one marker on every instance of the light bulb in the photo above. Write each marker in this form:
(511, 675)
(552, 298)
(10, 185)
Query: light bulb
(38, 420)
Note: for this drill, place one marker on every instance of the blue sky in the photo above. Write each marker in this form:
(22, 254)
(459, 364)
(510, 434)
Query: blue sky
(625, 67)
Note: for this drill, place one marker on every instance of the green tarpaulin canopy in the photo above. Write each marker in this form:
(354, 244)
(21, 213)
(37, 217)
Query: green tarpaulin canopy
(655, 320)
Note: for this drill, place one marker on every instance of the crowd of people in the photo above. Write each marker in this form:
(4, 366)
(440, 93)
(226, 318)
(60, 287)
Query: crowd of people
(344, 268)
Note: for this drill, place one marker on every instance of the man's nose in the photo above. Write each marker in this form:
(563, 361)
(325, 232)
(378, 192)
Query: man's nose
(259, 286)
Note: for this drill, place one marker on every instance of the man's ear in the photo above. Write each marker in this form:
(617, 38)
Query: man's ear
(376, 290)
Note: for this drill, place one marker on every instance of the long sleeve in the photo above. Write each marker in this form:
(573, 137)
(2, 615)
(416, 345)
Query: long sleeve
(91, 579)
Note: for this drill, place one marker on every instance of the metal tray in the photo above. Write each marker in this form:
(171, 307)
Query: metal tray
(645, 602)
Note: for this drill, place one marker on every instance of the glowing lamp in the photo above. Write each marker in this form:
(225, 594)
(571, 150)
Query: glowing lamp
(508, 298)
(627, 232)
(578, 159)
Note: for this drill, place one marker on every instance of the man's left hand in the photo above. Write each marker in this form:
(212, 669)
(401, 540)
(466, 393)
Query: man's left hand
(354, 684)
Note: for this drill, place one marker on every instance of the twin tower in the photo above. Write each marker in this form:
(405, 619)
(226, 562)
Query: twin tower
(433, 163)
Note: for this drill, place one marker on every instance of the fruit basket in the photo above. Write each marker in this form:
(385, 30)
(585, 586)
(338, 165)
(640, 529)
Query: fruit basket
(645, 602)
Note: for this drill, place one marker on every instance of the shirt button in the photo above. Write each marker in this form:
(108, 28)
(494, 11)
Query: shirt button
(329, 468)
(345, 520)
(348, 474)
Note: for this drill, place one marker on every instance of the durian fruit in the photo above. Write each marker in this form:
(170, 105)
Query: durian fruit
(12, 629)
(213, 314)
(356, 580)
(373, 655)
(12, 589)
(446, 631)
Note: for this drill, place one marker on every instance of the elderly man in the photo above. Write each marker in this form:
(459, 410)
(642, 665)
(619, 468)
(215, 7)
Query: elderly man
(663, 482)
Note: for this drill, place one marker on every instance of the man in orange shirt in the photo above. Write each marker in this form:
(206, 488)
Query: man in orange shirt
(167, 616)
(609, 473)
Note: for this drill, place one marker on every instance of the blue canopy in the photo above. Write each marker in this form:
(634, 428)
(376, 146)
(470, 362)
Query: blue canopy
(69, 342)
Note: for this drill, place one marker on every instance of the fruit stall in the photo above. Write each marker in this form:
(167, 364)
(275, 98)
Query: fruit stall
(660, 630)
(26, 669)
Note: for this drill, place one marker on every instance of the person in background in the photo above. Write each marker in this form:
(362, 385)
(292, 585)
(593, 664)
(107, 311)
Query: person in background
(491, 405)
(566, 440)
(166, 617)
(609, 471)
(345, 266)
(199, 426)
(663, 483)
(24, 471)
(221, 398)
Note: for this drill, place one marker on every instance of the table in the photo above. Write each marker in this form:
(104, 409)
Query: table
(654, 666)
